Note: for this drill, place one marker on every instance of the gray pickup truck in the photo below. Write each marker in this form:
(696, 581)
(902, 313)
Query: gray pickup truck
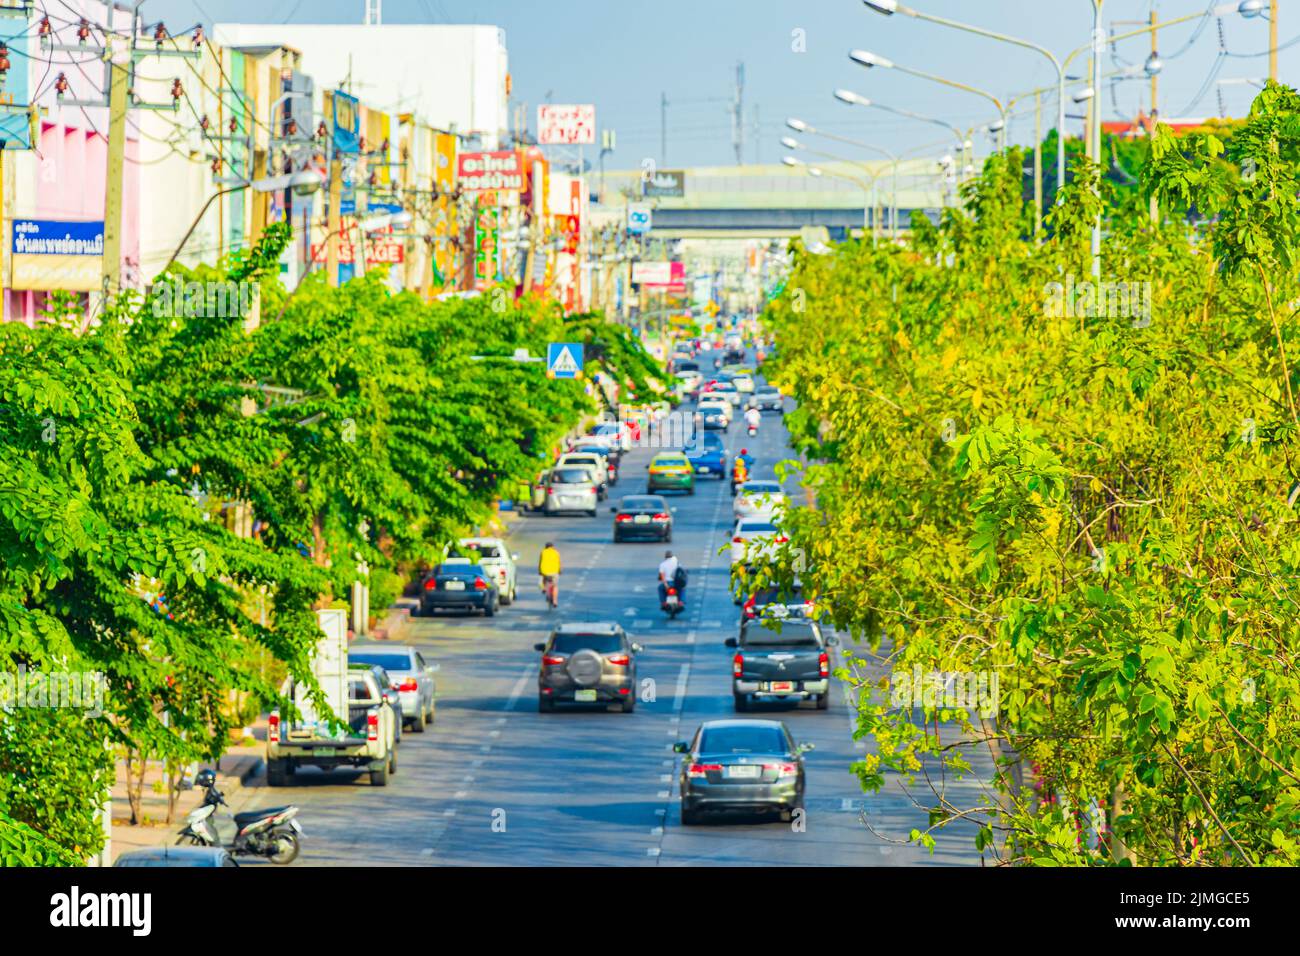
(781, 659)
(368, 741)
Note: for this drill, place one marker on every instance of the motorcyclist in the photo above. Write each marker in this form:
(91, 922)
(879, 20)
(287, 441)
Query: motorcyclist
(671, 574)
(753, 417)
(740, 469)
(549, 567)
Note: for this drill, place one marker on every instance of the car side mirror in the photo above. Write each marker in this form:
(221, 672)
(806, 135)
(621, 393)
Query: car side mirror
(804, 748)
(832, 641)
(732, 642)
(637, 648)
(673, 510)
(681, 747)
(539, 647)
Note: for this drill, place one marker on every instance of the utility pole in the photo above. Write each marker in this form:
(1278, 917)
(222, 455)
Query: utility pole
(1155, 111)
(663, 128)
(1038, 164)
(120, 78)
(738, 116)
(1272, 42)
(374, 12)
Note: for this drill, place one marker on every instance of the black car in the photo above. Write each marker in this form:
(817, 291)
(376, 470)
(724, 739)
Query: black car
(781, 659)
(741, 765)
(767, 398)
(587, 664)
(733, 357)
(462, 586)
(643, 516)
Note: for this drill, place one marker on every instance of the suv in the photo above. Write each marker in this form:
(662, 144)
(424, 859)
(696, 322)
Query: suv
(587, 663)
(596, 465)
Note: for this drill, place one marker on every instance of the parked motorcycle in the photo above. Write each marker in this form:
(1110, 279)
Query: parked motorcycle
(673, 604)
(271, 833)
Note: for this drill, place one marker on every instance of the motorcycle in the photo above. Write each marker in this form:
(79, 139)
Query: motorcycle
(753, 430)
(673, 604)
(271, 833)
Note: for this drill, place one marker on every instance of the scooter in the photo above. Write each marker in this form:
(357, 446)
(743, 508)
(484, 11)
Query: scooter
(673, 604)
(271, 833)
(753, 430)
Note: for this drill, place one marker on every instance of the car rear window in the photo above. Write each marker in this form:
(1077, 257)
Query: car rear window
(762, 488)
(757, 527)
(688, 366)
(570, 476)
(743, 740)
(393, 662)
(672, 461)
(766, 389)
(787, 633)
(458, 571)
(484, 550)
(642, 504)
(572, 643)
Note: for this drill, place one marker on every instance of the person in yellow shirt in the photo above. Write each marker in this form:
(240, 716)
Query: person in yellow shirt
(548, 566)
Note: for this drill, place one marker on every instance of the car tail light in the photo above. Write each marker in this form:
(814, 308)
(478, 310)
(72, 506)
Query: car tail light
(824, 664)
(780, 539)
(782, 769)
(550, 490)
(273, 727)
(372, 727)
(594, 489)
(702, 769)
(622, 518)
(480, 584)
(407, 685)
(625, 691)
(661, 516)
(552, 659)
(622, 660)
(738, 665)
(431, 584)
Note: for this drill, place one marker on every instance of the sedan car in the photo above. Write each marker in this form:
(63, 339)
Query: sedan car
(767, 398)
(587, 446)
(755, 539)
(643, 516)
(714, 413)
(727, 390)
(741, 765)
(755, 498)
(411, 676)
(462, 586)
(744, 382)
(671, 471)
(587, 664)
(708, 456)
(571, 489)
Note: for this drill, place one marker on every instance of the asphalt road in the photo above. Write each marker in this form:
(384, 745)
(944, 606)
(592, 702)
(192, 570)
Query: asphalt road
(495, 782)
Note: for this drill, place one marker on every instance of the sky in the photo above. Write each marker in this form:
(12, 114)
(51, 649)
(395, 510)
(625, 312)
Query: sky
(623, 55)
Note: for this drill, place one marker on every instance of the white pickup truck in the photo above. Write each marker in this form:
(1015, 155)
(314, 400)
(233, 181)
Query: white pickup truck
(368, 737)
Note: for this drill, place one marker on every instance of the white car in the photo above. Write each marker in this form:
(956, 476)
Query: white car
(755, 498)
(499, 561)
(753, 539)
(613, 435)
(744, 382)
(597, 466)
(690, 380)
(714, 412)
(727, 390)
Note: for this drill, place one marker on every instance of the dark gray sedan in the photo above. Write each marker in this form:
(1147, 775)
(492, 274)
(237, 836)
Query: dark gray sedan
(741, 766)
(592, 663)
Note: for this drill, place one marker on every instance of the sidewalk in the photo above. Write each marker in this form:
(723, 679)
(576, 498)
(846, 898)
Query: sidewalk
(240, 770)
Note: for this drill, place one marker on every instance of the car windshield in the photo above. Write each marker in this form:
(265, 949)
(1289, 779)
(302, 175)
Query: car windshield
(570, 476)
(768, 389)
(572, 643)
(610, 429)
(786, 634)
(582, 460)
(743, 740)
(642, 504)
(388, 661)
(674, 462)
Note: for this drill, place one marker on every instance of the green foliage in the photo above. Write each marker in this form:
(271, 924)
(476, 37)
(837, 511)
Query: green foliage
(1097, 507)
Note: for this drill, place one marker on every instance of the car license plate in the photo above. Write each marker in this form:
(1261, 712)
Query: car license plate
(454, 586)
(642, 519)
(322, 752)
(781, 686)
(744, 771)
(584, 696)
(704, 469)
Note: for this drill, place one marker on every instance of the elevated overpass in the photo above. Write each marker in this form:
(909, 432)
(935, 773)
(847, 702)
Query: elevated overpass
(773, 201)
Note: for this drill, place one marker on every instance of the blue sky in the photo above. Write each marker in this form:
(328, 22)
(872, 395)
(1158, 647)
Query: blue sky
(622, 55)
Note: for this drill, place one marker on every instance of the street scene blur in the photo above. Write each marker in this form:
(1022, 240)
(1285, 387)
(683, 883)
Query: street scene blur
(448, 433)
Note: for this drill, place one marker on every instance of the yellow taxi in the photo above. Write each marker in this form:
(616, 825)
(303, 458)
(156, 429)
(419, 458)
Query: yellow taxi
(671, 471)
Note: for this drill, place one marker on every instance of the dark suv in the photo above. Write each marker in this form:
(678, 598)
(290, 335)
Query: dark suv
(587, 664)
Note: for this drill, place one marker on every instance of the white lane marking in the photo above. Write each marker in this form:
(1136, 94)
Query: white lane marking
(460, 794)
(495, 733)
(652, 851)
(629, 612)
(450, 812)
(656, 831)
(518, 689)
(664, 794)
(486, 748)
(680, 693)
(476, 763)
(665, 777)
(501, 720)
(638, 589)
(427, 851)
(661, 812)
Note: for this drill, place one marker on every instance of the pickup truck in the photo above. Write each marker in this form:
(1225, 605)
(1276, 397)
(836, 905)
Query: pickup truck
(367, 741)
(779, 659)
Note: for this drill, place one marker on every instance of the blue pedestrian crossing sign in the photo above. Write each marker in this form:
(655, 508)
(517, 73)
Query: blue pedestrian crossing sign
(564, 360)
